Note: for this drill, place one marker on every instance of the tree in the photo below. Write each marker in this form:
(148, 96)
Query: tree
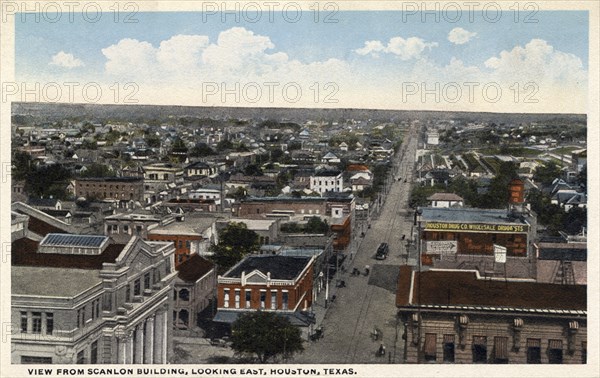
(265, 335)
(253, 170)
(224, 145)
(22, 165)
(316, 226)
(235, 242)
(153, 141)
(201, 150)
(48, 180)
(98, 170)
(546, 173)
(582, 177)
(498, 192)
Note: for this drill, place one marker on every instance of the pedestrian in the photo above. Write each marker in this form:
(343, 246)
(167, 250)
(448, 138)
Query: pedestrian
(367, 270)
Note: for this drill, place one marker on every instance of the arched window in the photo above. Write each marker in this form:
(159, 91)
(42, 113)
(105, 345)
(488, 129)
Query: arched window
(184, 294)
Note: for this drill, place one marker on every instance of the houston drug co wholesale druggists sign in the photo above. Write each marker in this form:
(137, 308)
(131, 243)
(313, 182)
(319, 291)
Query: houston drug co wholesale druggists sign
(475, 227)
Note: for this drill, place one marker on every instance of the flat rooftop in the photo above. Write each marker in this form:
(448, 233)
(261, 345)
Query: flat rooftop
(190, 226)
(24, 253)
(464, 288)
(52, 282)
(466, 215)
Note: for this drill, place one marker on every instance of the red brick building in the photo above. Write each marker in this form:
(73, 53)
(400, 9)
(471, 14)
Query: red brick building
(451, 238)
(119, 188)
(258, 208)
(281, 284)
(191, 236)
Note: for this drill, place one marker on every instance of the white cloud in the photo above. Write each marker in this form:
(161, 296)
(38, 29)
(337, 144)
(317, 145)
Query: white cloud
(130, 57)
(460, 36)
(405, 49)
(176, 69)
(66, 60)
(371, 47)
(237, 55)
(539, 62)
(181, 52)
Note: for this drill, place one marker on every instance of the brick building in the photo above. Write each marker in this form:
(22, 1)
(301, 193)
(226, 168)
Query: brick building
(265, 207)
(118, 188)
(458, 317)
(450, 238)
(337, 208)
(190, 235)
(282, 284)
(194, 291)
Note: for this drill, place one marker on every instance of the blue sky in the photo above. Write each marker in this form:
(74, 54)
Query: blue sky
(422, 52)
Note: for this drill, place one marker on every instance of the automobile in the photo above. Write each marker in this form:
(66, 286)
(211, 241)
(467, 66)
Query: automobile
(382, 251)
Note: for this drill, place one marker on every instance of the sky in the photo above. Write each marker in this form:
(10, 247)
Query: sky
(361, 59)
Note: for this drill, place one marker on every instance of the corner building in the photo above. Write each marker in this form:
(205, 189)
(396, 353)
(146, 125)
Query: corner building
(80, 299)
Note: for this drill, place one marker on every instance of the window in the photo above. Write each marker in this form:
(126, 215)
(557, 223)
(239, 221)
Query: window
(184, 316)
(284, 300)
(184, 294)
(147, 280)
(36, 360)
(97, 304)
(49, 323)
(188, 244)
(500, 350)
(226, 298)
(107, 302)
(448, 348)
(534, 351)
(36, 324)
(81, 317)
(273, 300)
(137, 287)
(24, 321)
(429, 347)
(94, 353)
(237, 298)
(248, 294)
(180, 244)
(479, 349)
(81, 357)
(555, 352)
(126, 229)
(263, 298)
(115, 228)
(127, 293)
